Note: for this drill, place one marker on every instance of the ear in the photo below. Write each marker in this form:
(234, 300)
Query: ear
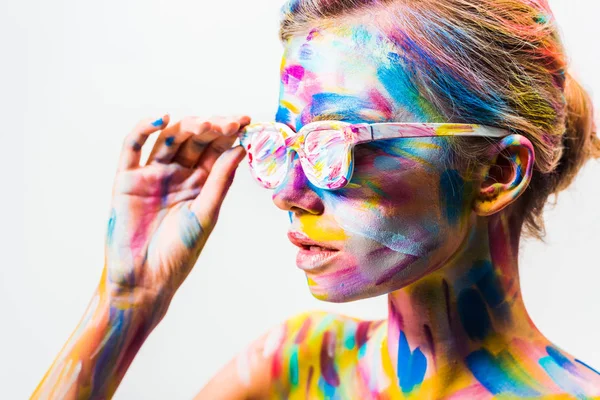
(506, 176)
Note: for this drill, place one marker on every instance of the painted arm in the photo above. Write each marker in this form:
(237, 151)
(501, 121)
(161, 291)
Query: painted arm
(95, 358)
(162, 213)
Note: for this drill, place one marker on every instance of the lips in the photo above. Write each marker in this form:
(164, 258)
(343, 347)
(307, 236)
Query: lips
(313, 255)
(305, 243)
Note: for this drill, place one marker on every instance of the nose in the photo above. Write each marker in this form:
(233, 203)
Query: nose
(296, 194)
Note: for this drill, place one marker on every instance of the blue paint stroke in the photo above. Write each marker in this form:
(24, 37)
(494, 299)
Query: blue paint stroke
(394, 77)
(294, 366)
(327, 389)
(350, 342)
(495, 376)
(347, 108)
(111, 227)
(158, 122)
(190, 228)
(283, 115)
(587, 366)
(451, 192)
(561, 377)
(559, 358)
(411, 365)
(469, 102)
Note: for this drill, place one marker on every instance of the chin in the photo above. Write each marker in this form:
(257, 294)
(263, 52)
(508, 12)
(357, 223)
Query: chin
(344, 291)
(348, 285)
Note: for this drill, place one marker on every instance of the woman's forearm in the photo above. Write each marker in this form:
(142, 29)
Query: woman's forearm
(162, 214)
(95, 358)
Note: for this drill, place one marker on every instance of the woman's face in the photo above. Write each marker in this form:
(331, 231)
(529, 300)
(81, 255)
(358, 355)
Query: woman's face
(404, 212)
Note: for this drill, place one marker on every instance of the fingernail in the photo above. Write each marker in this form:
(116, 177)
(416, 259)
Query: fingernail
(234, 148)
(158, 122)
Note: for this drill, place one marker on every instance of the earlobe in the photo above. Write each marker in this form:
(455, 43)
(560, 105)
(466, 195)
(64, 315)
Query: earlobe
(507, 175)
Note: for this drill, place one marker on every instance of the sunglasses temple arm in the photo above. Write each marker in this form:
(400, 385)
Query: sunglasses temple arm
(382, 131)
(365, 134)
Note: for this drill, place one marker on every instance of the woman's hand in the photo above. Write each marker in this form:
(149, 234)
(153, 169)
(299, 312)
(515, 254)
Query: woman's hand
(163, 212)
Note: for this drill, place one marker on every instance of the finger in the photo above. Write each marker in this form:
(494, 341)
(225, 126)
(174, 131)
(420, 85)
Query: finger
(207, 205)
(229, 125)
(222, 144)
(170, 139)
(133, 143)
(190, 151)
(214, 151)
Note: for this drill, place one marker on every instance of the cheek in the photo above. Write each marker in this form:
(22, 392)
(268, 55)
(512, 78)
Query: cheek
(393, 200)
(411, 183)
(402, 199)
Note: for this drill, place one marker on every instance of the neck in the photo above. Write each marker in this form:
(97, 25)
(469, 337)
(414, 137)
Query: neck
(473, 302)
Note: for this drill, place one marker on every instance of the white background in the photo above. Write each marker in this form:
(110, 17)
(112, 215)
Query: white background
(75, 77)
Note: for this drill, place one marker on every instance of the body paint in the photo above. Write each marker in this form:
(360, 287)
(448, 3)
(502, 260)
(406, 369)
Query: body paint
(457, 327)
(150, 229)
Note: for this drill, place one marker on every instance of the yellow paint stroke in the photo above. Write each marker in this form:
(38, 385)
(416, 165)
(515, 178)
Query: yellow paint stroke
(320, 229)
(289, 106)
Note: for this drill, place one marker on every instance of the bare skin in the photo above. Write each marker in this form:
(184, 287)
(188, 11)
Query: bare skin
(162, 213)
(457, 327)
(144, 269)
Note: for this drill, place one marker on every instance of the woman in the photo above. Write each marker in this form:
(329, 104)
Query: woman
(464, 122)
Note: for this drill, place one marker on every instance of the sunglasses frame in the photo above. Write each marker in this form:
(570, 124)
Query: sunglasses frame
(354, 134)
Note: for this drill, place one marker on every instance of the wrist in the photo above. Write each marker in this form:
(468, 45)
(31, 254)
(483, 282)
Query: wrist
(140, 303)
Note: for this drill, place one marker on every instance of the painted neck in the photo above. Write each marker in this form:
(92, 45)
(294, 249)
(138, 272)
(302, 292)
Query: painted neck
(472, 301)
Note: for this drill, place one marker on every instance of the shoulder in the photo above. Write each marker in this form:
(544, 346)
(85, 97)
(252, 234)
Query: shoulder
(569, 373)
(311, 330)
(310, 349)
(290, 357)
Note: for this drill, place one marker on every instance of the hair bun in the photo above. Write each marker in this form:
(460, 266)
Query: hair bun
(580, 140)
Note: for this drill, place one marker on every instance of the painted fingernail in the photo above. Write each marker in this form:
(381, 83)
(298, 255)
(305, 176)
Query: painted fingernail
(170, 140)
(158, 122)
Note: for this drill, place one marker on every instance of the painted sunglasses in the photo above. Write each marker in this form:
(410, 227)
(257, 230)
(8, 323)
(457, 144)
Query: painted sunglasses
(326, 148)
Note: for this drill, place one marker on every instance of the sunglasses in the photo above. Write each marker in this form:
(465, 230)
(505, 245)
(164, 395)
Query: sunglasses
(326, 148)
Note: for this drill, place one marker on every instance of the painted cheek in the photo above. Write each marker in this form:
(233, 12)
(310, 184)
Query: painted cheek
(367, 219)
(378, 179)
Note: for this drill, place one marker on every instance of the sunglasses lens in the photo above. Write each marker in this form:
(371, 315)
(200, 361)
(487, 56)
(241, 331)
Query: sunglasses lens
(267, 156)
(329, 159)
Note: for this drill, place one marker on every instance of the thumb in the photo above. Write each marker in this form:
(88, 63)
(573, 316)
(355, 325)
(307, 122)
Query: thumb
(207, 205)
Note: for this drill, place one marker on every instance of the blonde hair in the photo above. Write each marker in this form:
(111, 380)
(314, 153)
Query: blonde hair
(494, 62)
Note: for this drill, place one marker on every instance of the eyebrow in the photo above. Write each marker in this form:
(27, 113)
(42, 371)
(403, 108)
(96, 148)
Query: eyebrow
(341, 115)
(367, 115)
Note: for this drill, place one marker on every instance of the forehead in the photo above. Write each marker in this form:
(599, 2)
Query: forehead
(350, 73)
